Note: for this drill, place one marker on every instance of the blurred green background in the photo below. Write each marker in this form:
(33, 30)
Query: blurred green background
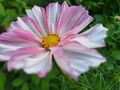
(106, 77)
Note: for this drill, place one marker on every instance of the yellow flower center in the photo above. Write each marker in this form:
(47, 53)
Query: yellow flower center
(50, 40)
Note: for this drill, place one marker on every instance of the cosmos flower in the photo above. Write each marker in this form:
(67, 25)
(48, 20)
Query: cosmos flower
(55, 32)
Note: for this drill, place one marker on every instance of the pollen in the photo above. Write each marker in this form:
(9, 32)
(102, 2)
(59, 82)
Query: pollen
(50, 40)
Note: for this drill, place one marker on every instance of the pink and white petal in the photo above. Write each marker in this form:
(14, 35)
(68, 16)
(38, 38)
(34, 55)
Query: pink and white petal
(26, 24)
(18, 37)
(34, 26)
(38, 14)
(87, 42)
(86, 20)
(64, 8)
(96, 34)
(17, 59)
(77, 59)
(7, 50)
(81, 50)
(53, 14)
(72, 18)
(61, 59)
(92, 38)
(36, 59)
(39, 64)
(82, 58)
(4, 57)
(12, 40)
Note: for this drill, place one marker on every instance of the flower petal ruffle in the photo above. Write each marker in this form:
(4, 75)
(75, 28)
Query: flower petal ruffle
(53, 15)
(15, 39)
(38, 15)
(33, 60)
(96, 34)
(75, 59)
(39, 64)
(56, 19)
(73, 20)
(92, 38)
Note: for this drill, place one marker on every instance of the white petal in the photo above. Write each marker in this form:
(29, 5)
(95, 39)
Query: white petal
(38, 15)
(53, 14)
(32, 61)
(38, 63)
(96, 34)
(87, 42)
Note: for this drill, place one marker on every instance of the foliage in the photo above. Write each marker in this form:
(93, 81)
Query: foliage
(106, 77)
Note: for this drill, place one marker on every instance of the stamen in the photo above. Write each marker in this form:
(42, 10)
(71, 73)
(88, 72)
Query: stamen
(50, 40)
